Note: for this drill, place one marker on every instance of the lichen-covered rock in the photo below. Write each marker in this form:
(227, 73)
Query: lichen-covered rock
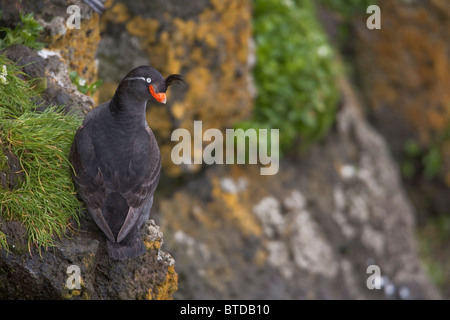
(46, 274)
(404, 70)
(48, 67)
(78, 47)
(208, 42)
(310, 231)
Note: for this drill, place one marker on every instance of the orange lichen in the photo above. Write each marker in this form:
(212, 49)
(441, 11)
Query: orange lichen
(116, 13)
(153, 245)
(78, 47)
(260, 258)
(165, 289)
(141, 27)
(407, 68)
(237, 209)
(408, 60)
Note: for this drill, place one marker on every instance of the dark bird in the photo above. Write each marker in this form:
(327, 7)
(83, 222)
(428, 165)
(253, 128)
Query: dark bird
(117, 162)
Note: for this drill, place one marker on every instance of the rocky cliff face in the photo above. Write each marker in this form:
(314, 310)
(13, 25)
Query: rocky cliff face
(29, 273)
(309, 232)
(404, 71)
(49, 275)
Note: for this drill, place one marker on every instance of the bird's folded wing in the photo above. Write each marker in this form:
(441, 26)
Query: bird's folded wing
(90, 188)
(138, 196)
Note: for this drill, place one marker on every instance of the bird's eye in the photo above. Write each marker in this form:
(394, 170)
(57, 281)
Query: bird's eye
(149, 80)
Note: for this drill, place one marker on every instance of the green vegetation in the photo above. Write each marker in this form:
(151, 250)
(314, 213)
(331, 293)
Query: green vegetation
(45, 201)
(295, 73)
(81, 84)
(434, 236)
(26, 33)
(429, 161)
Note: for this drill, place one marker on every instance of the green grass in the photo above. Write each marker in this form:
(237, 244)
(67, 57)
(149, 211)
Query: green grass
(45, 201)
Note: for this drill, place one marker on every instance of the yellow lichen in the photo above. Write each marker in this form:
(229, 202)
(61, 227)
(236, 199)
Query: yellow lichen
(166, 289)
(78, 47)
(409, 70)
(178, 110)
(236, 209)
(260, 258)
(153, 245)
(117, 13)
(71, 293)
(141, 27)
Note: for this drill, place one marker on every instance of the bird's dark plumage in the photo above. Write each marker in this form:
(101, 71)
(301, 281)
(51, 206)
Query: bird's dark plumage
(117, 161)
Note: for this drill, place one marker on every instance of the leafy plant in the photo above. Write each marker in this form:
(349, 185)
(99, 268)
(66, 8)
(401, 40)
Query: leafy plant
(45, 201)
(295, 73)
(26, 33)
(417, 158)
(81, 84)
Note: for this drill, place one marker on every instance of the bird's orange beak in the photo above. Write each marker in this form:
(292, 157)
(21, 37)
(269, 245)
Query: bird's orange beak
(160, 97)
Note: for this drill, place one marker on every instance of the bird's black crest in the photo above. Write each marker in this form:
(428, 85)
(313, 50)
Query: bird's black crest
(173, 78)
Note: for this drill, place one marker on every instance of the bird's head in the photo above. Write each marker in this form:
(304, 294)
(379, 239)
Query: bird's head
(148, 84)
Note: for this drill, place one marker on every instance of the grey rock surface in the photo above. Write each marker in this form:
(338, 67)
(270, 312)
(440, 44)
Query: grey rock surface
(309, 232)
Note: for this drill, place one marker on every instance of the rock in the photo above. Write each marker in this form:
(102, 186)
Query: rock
(11, 174)
(44, 275)
(49, 68)
(406, 69)
(77, 47)
(309, 232)
(404, 73)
